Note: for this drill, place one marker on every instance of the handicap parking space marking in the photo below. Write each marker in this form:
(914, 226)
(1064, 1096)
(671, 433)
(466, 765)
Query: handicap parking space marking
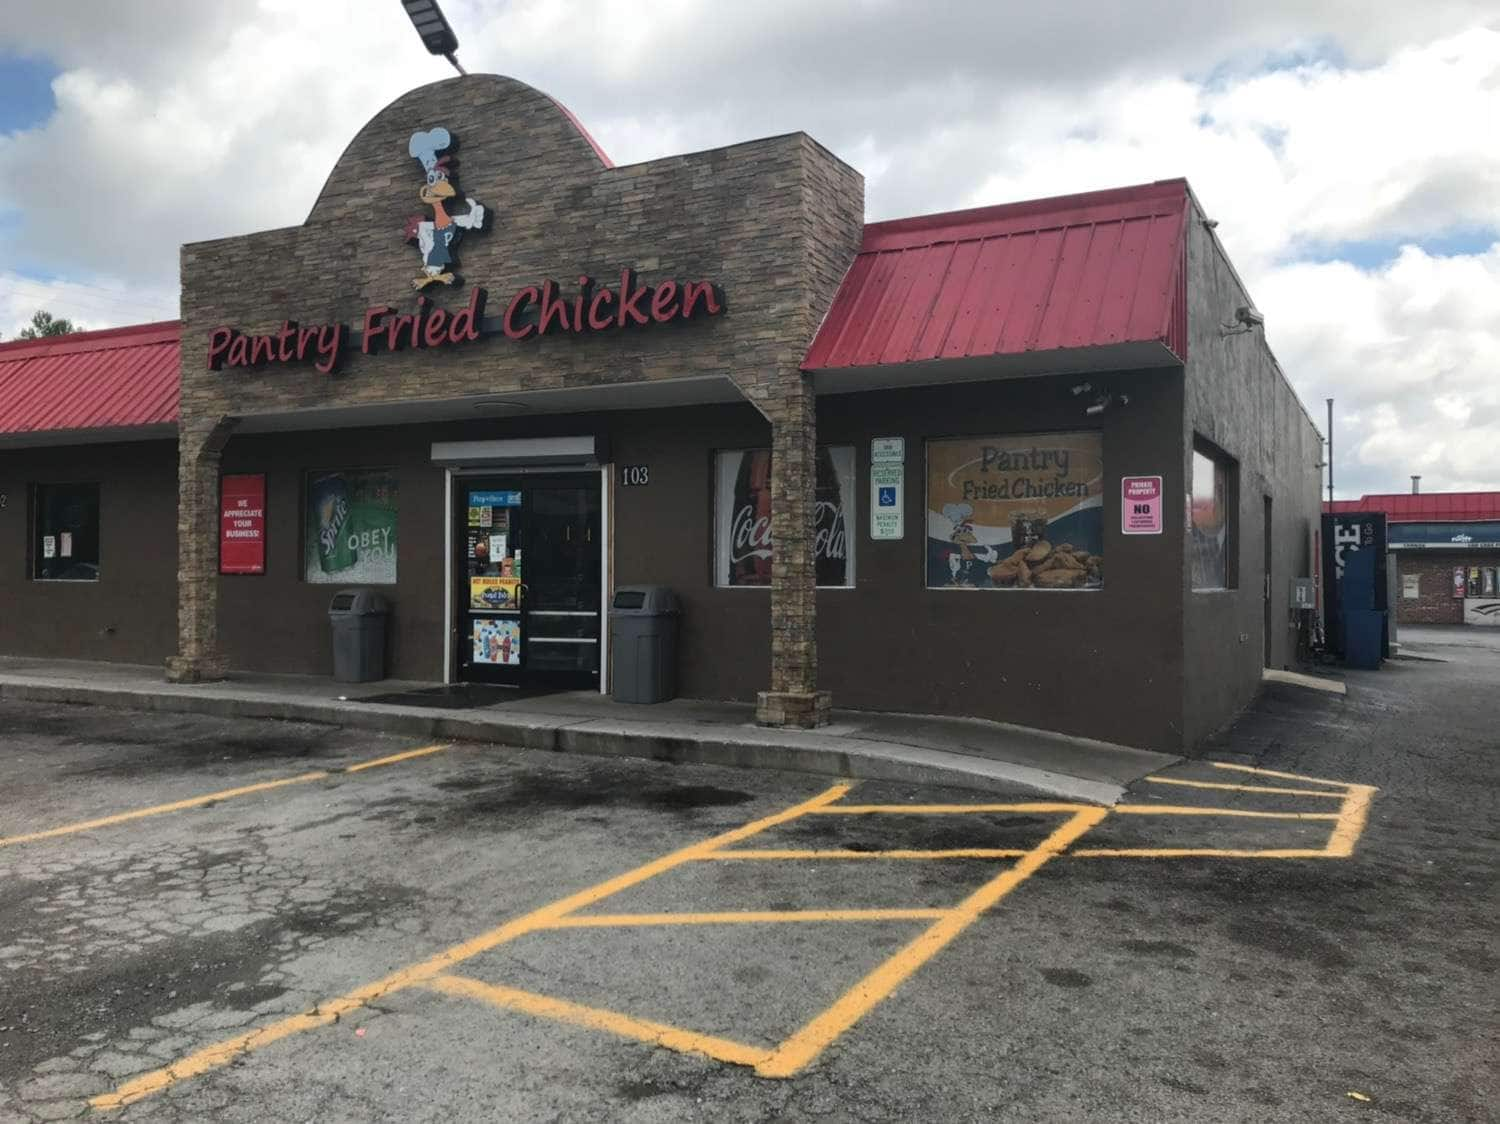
(216, 797)
(799, 1050)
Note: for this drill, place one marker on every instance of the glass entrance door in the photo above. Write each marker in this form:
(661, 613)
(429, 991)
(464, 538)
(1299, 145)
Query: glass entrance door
(528, 582)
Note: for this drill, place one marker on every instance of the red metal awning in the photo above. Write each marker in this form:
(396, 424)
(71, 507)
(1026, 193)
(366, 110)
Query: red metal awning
(1424, 507)
(120, 380)
(1102, 269)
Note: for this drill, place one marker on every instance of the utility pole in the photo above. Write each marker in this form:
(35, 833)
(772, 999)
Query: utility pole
(1330, 450)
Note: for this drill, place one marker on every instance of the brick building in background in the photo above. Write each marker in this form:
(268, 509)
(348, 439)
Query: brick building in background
(1447, 551)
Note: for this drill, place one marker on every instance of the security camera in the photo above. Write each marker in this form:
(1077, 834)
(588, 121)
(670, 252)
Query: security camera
(1249, 316)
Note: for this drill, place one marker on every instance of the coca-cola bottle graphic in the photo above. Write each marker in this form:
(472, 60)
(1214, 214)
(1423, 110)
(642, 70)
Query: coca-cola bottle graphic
(831, 528)
(750, 521)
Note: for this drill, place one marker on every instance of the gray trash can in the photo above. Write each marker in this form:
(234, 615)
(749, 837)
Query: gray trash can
(643, 637)
(358, 620)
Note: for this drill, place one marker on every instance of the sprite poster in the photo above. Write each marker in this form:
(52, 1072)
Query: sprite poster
(1016, 512)
(350, 527)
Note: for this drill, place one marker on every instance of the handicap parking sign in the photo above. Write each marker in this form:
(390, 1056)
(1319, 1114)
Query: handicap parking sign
(887, 497)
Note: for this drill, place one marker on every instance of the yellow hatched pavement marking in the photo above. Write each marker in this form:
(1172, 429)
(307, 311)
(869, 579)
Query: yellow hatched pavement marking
(1190, 810)
(1248, 788)
(323, 1014)
(1280, 776)
(806, 1044)
(741, 917)
(214, 797)
(598, 1018)
(957, 853)
(943, 809)
(1352, 819)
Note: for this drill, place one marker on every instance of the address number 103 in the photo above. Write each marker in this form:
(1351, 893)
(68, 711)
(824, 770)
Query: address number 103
(634, 475)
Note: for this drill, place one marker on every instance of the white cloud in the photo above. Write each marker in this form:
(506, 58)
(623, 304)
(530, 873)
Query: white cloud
(1410, 352)
(180, 120)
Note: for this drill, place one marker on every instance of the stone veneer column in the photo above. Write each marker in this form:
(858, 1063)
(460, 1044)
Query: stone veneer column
(198, 659)
(794, 698)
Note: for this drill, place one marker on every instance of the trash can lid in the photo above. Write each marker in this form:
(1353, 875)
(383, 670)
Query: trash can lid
(644, 601)
(357, 603)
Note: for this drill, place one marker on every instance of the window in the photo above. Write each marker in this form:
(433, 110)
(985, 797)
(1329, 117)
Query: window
(1211, 522)
(743, 548)
(1024, 511)
(349, 527)
(65, 539)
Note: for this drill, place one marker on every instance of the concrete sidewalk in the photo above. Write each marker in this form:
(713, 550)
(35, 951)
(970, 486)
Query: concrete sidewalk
(917, 749)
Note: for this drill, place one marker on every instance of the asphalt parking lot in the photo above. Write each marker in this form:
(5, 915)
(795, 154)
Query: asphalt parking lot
(236, 920)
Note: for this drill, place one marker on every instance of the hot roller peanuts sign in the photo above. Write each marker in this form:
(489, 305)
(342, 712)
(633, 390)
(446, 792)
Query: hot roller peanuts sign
(590, 306)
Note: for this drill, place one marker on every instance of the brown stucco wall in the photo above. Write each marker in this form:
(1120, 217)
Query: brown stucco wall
(1236, 396)
(661, 534)
(1105, 663)
(129, 614)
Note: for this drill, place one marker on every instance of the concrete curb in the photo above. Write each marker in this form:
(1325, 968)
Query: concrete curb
(739, 747)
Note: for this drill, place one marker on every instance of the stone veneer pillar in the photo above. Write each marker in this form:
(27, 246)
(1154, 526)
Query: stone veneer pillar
(198, 659)
(794, 698)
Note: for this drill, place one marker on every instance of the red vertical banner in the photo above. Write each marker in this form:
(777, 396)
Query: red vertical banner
(242, 524)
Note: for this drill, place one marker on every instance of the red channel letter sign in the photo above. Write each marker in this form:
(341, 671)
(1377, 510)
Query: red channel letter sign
(242, 524)
(1140, 505)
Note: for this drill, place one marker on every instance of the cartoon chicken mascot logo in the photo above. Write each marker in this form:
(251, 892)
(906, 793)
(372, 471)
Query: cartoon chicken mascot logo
(437, 237)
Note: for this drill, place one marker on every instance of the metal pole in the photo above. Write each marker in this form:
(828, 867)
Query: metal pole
(1330, 450)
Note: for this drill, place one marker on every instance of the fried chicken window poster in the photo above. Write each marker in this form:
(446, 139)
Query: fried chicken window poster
(1016, 512)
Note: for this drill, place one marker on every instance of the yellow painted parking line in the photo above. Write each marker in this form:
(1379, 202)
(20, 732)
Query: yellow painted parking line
(425, 751)
(1279, 776)
(954, 853)
(943, 809)
(806, 1044)
(330, 1011)
(161, 809)
(212, 797)
(1352, 819)
(742, 917)
(1195, 853)
(1249, 788)
(1189, 810)
(598, 1018)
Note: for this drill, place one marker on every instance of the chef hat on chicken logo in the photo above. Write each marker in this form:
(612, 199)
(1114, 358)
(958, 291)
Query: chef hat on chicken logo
(425, 144)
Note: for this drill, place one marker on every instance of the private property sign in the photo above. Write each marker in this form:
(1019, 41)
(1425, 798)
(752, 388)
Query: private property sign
(242, 524)
(1140, 505)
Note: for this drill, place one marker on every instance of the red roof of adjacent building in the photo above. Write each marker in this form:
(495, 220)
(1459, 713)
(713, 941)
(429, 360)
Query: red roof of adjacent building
(1424, 507)
(1076, 271)
(119, 378)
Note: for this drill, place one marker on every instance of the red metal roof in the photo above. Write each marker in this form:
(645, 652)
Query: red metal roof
(1076, 271)
(112, 379)
(1424, 507)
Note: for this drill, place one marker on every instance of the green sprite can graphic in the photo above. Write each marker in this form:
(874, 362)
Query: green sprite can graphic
(331, 512)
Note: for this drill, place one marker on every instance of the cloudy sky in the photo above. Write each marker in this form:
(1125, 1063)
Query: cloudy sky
(1348, 148)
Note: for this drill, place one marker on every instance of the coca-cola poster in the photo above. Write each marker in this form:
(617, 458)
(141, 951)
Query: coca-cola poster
(744, 546)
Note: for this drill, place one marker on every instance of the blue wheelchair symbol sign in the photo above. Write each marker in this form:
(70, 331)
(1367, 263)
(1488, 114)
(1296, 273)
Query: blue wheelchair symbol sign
(887, 497)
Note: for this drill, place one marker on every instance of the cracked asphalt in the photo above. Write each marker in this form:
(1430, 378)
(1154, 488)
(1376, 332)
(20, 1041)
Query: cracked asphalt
(1101, 988)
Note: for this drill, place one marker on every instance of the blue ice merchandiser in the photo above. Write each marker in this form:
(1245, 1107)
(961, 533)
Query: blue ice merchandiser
(1355, 598)
(1361, 624)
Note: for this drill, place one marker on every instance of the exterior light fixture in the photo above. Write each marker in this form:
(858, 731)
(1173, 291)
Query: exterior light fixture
(1246, 319)
(437, 35)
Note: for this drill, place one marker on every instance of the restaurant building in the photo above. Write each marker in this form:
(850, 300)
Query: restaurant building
(1446, 549)
(1031, 462)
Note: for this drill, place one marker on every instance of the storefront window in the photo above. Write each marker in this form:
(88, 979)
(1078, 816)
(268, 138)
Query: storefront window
(743, 547)
(1210, 526)
(65, 539)
(1016, 512)
(350, 522)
